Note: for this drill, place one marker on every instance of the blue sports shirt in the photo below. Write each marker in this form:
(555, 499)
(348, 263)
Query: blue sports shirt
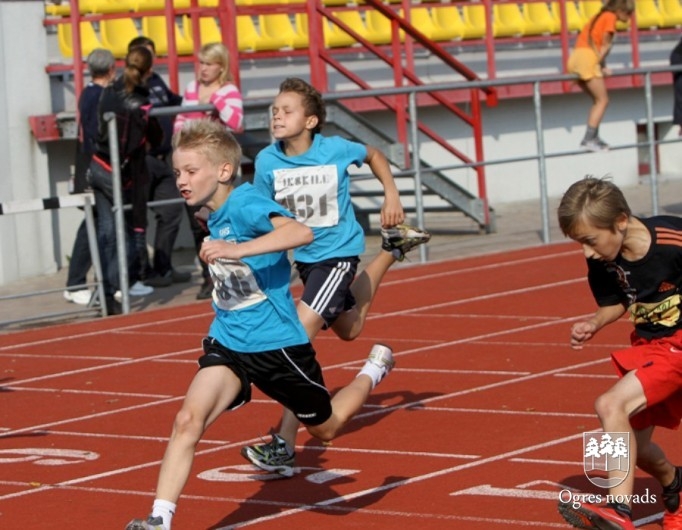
(315, 187)
(254, 308)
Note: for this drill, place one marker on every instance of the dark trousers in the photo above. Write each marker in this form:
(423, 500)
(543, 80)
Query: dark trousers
(81, 261)
(102, 187)
(168, 217)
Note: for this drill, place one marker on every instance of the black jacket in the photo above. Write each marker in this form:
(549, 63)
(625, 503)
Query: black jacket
(136, 133)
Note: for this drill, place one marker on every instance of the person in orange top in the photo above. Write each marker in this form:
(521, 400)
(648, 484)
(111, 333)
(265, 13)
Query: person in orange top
(587, 61)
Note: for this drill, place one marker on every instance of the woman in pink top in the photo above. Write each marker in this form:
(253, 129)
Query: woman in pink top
(213, 85)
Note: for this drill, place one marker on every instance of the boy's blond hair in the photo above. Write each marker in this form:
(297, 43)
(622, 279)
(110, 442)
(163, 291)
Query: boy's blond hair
(597, 201)
(210, 138)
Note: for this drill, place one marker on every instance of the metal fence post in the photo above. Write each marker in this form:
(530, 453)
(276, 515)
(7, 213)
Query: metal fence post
(122, 254)
(416, 165)
(542, 167)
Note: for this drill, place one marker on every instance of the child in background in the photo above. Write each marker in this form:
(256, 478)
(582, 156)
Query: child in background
(256, 337)
(634, 265)
(588, 62)
(308, 173)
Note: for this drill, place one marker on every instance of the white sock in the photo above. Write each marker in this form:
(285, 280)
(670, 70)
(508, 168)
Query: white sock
(372, 371)
(165, 510)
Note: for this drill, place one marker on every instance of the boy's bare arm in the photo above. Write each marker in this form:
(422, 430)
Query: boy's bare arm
(392, 210)
(287, 234)
(583, 331)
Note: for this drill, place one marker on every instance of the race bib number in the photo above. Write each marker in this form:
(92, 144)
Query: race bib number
(235, 286)
(310, 193)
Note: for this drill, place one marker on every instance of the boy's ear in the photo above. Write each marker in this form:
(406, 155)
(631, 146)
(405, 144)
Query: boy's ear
(226, 171)
(311, 122)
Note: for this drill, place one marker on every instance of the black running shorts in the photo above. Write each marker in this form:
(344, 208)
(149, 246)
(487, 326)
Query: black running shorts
(292, 376)
(327, 286)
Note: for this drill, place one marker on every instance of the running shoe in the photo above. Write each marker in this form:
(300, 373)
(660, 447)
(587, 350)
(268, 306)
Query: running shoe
(595, 145)
(672, 520)
(672, 516)
(152, 523)
(381, 356)
(80, 297)
(400, 239)
(273, 456)
(590, 516)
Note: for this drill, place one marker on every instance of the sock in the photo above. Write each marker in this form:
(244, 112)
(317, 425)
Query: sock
(622, 509)
(165, 510)
(591, 133)
(372, 371)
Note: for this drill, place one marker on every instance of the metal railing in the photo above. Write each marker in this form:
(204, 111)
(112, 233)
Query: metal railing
(416, 172)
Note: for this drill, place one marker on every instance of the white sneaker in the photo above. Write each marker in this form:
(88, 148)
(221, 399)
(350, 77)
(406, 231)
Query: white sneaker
(81, 297)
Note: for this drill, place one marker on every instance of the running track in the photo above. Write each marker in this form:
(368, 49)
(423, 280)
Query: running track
(479, 426)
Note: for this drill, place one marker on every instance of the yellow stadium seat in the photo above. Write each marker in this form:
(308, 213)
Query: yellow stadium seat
(588, 8)
(208, 29)
(474, 21)
(449, 22)
(247, 34)
(269, 36)
(539, 19)
(573, 18)
(116, 33)
(647, 14)
(301, 37)
(335, 37)
(64, 9)
(421, 19)
(672, 12)
(278, 25)
(508, 21)
(154, 27)
(89, 39)
(379, 29)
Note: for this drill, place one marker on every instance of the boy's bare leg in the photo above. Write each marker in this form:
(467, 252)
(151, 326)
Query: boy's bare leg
(364, 287)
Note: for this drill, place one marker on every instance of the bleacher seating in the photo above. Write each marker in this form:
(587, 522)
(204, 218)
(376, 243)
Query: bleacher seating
(89, 39)
(441, 22)
(671, 10)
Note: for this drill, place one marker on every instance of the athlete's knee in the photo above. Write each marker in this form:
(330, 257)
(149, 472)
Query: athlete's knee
(608, 406)
(186, 424)
(324, 432)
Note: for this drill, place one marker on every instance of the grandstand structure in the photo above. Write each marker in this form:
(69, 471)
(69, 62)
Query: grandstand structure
(450, 90)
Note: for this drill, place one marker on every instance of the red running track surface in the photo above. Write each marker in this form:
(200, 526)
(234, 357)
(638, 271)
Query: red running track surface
(478, 427)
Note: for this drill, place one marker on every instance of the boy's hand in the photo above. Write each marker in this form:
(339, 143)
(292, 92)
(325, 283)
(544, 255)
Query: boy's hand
(213, 249)
(581, 332)
(392, 212)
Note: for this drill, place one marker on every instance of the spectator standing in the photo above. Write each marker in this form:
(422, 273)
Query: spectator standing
(102, 68)
(160, 271)
(128, 99)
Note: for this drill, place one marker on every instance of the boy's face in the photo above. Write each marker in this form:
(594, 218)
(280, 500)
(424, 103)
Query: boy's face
(197, 178)
(288, 118)
(600, 243)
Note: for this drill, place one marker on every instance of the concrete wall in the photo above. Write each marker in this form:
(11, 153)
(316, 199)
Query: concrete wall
(26, 240)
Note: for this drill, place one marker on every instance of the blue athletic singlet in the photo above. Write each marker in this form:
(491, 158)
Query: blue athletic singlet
(315, 187)
(254, 308)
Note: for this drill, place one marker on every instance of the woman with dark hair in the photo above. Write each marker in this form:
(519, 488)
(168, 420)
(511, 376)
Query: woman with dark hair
(128, 99)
